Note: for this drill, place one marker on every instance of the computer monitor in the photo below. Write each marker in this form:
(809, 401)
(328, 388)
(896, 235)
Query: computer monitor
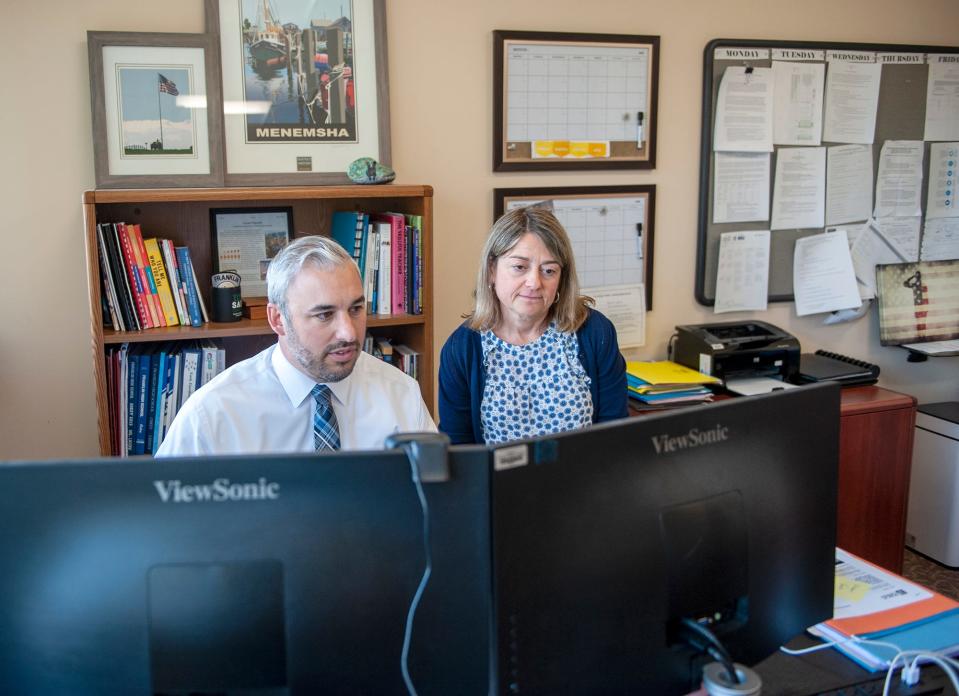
(259, 575)
(605, 539)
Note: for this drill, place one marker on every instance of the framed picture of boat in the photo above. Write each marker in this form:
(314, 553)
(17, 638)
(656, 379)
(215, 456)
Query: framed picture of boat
(305, 89)
(156, 102)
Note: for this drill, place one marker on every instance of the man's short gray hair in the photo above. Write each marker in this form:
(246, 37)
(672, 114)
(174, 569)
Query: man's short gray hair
(314, 250)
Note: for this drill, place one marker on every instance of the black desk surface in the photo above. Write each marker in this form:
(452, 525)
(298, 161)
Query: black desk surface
(823, 670)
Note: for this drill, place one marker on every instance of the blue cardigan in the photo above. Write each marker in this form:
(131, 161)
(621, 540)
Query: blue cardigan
(462, 377)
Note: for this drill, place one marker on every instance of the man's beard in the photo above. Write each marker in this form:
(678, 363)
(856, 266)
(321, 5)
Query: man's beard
(315, 365)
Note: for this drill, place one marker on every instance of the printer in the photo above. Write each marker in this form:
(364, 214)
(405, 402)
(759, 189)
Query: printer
(738, 349)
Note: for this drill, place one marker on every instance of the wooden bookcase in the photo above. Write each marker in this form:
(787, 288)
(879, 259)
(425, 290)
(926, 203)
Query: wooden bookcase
(183, 215)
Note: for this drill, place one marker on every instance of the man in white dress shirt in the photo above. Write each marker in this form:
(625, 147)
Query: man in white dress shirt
(264, 404)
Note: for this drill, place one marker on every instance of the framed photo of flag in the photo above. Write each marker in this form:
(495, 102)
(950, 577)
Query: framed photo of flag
(305, 88)
(157, 109)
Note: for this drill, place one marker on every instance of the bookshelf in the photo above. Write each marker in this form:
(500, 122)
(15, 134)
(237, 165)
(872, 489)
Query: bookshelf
(183, 215)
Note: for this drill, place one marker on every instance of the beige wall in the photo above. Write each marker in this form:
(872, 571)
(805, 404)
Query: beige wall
(441, 84)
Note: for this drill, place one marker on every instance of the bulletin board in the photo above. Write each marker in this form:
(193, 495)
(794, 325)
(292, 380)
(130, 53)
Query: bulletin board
(900, 115)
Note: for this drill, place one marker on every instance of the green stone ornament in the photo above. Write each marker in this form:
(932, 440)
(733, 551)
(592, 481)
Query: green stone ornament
(367, 170)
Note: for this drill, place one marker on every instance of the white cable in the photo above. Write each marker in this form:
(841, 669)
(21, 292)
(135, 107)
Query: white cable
(427, 571)
(946, 663)
(834, 643)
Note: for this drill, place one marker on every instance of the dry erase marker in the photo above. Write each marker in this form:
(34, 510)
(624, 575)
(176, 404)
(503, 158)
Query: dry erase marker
(639, 240)
(639, 129)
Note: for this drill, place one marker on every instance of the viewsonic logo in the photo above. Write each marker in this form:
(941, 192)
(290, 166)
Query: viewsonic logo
(221, 490)
(693, 438)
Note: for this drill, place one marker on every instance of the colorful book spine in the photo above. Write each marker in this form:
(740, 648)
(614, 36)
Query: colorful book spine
(130, 410)
(346, 228)
(146, 274)
(176, 284)
(160, 277)
(136, 281)
(418, 308)
(384, 273)
(398, 282)
(192, 296)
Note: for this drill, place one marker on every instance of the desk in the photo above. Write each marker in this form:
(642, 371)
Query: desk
(875, 458)
(824, 670)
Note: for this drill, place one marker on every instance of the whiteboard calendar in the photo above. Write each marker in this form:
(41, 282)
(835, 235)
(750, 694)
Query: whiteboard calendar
(568, 101)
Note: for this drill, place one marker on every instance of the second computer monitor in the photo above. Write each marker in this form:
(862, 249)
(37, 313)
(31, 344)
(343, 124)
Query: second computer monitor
(605, 539)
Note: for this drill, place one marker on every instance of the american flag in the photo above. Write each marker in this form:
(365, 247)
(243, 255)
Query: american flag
(168, 86)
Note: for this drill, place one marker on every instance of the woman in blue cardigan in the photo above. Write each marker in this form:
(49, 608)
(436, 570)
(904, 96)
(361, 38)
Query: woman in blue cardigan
(532, 358)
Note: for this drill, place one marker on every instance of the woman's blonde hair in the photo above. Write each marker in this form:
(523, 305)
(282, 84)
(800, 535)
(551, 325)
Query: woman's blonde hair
(570, 308)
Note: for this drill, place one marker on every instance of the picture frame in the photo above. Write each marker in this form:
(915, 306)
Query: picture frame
(574, 101)
(292, 121)
(601, 222)
(141, 82)
(244, 240)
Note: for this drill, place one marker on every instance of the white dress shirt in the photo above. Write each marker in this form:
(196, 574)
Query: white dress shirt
(263, 404)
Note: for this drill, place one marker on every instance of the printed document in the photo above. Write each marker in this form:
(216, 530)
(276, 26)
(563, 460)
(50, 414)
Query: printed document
(740, 187)
(942, 98)
(625, 306)
(848, 184)
(744, 111)
(798, 103)
(941, 198)
(742, 275)
(869, 250)
(862, 589)
(823, 275)
(852, 96)
(902, 234)
(899, 183)
(799, 192)
(940, 239)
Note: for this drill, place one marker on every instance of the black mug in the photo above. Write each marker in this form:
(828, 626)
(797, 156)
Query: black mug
(227, 300)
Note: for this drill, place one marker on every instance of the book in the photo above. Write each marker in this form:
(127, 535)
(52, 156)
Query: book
(176, 284)
(146, 274)
(348, 229)
(106, 279)
(131, 366)
(406, 359)
(190, 378)
(192, 295)
(383, 271)
(397, 262)
(199, 295)
(158, 376)
(874, 603)
(171, 394)
(137, 281)
(398, 270)
(371, 262)
(163, 286)
(211, 361)
(140, 374)
(418, 289)
(121, 284)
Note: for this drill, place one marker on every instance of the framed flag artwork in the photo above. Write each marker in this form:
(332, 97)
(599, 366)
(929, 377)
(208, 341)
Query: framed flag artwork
(157, 109)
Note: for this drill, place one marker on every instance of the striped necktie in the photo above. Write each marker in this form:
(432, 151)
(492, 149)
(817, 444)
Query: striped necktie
(326, 432)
